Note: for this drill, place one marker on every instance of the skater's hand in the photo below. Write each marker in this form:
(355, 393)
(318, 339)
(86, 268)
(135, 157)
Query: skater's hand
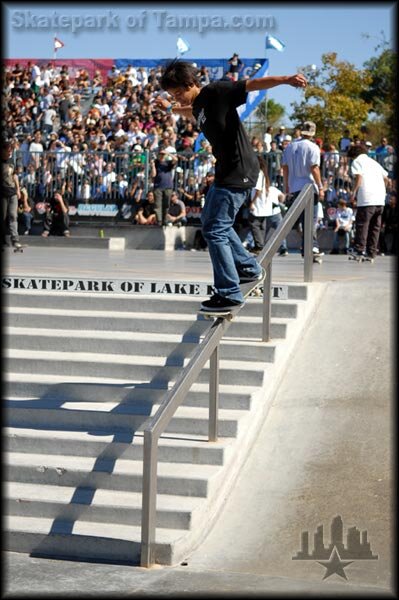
(298, 80)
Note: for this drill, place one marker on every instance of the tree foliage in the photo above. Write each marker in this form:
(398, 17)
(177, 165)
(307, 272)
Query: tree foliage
(273, 115)
(381, 93)
(334, 98)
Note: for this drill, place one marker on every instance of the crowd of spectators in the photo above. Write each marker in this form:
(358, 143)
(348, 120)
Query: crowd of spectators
(102, 139)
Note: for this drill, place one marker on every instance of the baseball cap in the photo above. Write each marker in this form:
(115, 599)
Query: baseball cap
(369, 144)
(288, 138)
(170, 150)
(308, 128)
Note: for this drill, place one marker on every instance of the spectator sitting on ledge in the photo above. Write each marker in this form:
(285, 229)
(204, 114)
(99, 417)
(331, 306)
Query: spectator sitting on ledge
(176, 214)
(146, 214)
(56, 221)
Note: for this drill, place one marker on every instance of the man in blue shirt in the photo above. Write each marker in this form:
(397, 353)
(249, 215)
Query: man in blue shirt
(301, 165)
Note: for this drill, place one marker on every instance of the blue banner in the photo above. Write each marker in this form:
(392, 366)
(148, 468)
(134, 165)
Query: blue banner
(217, 67)
(253, 98)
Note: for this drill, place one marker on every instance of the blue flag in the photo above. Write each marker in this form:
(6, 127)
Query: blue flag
(274, 43)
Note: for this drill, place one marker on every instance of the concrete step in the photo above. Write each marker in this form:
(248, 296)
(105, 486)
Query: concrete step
(96, 505)
(131, 368)
(100, 389)
(242, 327)
(125, 475)
(114, 418)
(112, 342)
(83, 540)
(149, 303)
(195, 449)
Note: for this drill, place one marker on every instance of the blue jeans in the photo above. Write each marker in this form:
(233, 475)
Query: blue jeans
(229, 258)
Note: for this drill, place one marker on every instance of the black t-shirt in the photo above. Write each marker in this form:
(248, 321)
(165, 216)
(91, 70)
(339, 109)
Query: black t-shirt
(215, 111)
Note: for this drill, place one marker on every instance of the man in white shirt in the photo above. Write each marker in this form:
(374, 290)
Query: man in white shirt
(369, 194)
(301, 165)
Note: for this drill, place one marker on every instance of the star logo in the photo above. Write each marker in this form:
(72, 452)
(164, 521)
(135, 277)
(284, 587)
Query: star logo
(335, 565)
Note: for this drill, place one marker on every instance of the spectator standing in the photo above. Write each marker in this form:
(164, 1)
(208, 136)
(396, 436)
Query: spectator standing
(25, 210)
(10, 192)
(264, 210)
(301, 165)
(267, 138)
(280, 137)
(389, 228)
(369, 192)
(36, 149)
(381, 152)
(162, 171)
(345, 141)
(235, 63)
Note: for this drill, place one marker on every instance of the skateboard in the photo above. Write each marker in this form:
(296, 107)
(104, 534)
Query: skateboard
(20, 249)
(247, 289)
(360, 258)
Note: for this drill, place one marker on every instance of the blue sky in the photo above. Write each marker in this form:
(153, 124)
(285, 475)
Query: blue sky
(150, 30)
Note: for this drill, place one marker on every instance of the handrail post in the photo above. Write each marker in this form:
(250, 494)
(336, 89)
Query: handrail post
(308, 239)
(149, 499)
(267, 304)
(213, 394)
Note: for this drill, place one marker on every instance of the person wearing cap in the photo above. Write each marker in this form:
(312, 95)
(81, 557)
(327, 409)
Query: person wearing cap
(214, 108)
(280, 137)
(301, 165)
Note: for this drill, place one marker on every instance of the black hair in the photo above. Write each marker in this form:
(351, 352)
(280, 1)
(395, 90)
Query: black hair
(179, 73)
(357, 150)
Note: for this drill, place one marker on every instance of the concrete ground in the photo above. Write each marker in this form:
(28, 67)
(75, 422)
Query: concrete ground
(325, 448)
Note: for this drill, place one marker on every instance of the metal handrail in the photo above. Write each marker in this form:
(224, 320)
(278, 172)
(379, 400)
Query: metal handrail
(209, 350)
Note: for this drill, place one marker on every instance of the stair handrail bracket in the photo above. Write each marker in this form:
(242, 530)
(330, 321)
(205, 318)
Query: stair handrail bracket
(208, 350)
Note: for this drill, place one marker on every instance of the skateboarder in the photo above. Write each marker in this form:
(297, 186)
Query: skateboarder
(236, 172)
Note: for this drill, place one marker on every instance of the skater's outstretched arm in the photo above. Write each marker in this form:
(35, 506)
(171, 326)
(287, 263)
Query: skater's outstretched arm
(265, 83)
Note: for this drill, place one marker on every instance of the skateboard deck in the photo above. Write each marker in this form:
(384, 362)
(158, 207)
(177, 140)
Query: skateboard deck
(246, 289)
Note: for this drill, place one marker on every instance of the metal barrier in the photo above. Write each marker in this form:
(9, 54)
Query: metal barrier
(209, 350)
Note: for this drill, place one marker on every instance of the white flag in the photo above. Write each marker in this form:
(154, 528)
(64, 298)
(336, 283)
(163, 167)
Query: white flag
(273, 42)
(182, 45)
(58, 44)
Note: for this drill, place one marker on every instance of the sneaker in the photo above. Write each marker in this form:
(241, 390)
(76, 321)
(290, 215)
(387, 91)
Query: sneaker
(16, 244)
(27, 232)
(253, 278)
(218, 303)
(283, 253)
(67, 233)
(45, 233)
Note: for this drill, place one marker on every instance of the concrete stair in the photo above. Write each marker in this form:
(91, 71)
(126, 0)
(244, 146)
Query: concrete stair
(83, 374)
